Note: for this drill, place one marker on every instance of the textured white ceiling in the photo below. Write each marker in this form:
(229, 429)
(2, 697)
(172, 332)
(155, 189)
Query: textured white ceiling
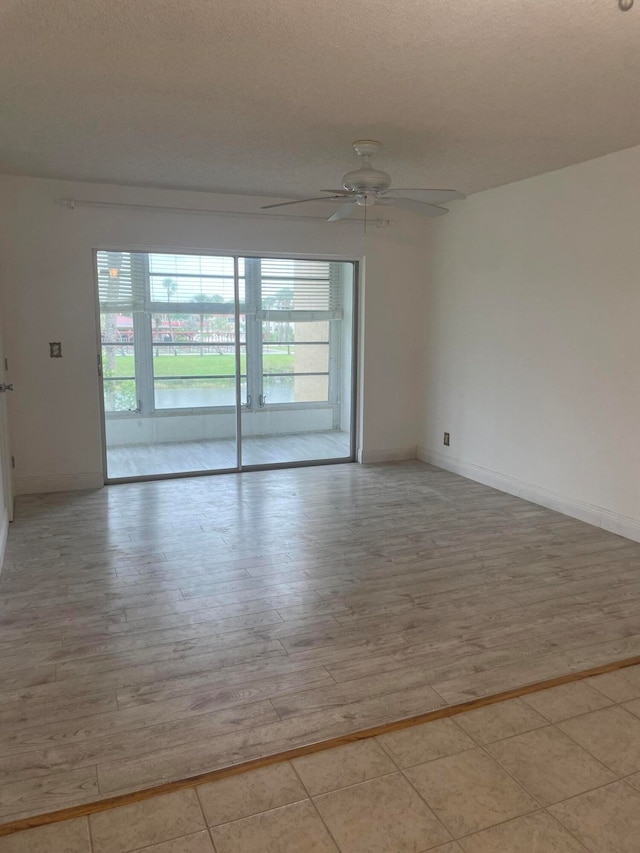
(266, 96)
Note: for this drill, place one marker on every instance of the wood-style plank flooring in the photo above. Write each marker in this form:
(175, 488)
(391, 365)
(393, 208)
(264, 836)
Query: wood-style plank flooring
(153, 631)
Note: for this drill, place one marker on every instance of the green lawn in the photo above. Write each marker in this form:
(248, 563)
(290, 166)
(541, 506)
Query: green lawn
(201, 365)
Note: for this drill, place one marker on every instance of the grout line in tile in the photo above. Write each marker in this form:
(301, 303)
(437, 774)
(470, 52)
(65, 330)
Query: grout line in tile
(326, 826)
(624, 705)
(196, 788)
(427, 804)
(313, 803)
(200, 806)
(589, 681)
(566, 828)
(166, 840)
(385, 749)
(588, 751)
(88, 819)
(589, 791)
(538, 810)
(510, 775)
(579, 745)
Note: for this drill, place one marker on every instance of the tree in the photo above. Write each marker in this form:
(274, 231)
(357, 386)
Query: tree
(204, 297)
(268, 304)
(284, 301)
(170, 285)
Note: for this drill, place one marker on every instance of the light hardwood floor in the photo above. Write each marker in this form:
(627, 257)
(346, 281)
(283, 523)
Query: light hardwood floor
(153, 631)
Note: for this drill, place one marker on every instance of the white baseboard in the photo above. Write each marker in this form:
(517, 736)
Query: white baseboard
(394, 454)
(59, 483)
(4, 532)
(614, 522)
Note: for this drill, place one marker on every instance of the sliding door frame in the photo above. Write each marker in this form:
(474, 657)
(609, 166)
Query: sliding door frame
(240, 468)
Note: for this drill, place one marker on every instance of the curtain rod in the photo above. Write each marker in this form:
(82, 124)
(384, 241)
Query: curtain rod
(72, 203)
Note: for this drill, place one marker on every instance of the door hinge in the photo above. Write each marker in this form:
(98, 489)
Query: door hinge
(13, 461)
(99, 365)
(6, 364)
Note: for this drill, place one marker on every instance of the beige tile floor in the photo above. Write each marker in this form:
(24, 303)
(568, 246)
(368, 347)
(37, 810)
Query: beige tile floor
(557, 771)
(154, 631)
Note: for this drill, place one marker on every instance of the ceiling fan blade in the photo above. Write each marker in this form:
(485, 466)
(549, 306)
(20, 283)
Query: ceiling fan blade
(343, 211)
(420, 207)
(298, 201)
(429, 196)
(339, 192)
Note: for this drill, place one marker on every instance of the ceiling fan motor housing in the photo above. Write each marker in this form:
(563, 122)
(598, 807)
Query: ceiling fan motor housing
(366, 179)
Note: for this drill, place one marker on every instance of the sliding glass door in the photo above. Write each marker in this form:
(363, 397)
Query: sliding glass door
(218, 363)
(298, 312)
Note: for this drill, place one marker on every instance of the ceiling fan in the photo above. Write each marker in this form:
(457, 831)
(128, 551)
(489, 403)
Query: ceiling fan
(366, 186)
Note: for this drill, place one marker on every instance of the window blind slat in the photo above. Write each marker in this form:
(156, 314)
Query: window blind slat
(129, 281)
(121, 281)
(298, 285)
(192, 278)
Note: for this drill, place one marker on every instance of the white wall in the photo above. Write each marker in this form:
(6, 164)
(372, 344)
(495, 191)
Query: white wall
(393, 311)
(46, 272)
(532, 348)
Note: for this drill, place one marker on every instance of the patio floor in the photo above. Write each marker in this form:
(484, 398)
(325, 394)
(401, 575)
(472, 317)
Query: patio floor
(137, 460)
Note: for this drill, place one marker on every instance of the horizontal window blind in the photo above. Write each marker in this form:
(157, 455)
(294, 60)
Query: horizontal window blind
(298, 285)
(130, 281)
(198, 265)
(192, 278)
(121, 282)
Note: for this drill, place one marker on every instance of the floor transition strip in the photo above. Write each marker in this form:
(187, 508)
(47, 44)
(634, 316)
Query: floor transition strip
(309, 749)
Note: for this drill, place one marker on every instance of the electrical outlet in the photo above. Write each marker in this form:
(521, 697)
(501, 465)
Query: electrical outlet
(446, 439)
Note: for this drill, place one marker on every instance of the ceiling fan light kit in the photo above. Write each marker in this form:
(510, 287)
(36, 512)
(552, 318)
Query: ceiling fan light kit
(367, 186)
